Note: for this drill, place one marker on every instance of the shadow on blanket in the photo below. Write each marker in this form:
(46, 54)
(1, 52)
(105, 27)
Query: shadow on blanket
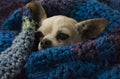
(94, 59)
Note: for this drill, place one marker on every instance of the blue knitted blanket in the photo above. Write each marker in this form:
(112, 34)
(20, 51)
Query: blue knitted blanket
(94, 59)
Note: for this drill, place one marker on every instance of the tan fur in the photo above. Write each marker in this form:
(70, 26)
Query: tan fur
(37, 11)
(51, 25)
(77, 31)
(92, 28)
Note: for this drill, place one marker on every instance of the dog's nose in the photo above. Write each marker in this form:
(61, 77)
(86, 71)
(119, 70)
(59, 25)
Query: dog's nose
(46, 43)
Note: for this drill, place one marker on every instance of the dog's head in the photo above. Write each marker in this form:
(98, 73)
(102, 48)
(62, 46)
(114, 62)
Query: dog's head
(61, 30)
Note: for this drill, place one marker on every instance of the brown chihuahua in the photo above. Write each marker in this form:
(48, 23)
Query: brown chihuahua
(61, 30)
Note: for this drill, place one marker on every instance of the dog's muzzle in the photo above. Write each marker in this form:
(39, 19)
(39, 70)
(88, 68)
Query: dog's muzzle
(45, 43)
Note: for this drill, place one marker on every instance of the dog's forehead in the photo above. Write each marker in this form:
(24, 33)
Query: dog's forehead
(57, 23)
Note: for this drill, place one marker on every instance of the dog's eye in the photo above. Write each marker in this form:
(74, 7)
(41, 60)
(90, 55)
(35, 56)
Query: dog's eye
(62, 36)
(38, 35)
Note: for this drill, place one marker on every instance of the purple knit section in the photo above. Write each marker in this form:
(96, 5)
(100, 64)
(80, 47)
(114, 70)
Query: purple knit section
(7, 7)
(116, 38)
(58, 7)
(86, 50)
(106, 49)
(115, 4)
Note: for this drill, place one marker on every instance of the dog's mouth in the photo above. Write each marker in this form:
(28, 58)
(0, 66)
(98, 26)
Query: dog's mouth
(44, 44)
(41, 48)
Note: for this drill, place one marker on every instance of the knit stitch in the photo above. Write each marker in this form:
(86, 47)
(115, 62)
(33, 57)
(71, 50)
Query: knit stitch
(94, 9)
(115, 4)
(7, 7)
(12, 60)
(14, 22)
(59, 7)
(94, 59)
(82, 60)
(6, 38)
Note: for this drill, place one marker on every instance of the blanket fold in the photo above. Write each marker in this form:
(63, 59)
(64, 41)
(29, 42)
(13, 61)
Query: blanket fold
(94, 59)
(13, 59)
(91, 59)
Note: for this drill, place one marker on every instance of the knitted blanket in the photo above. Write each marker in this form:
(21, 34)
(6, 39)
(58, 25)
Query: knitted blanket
(94, 59)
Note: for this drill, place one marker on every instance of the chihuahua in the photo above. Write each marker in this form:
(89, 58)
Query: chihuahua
(61, 30)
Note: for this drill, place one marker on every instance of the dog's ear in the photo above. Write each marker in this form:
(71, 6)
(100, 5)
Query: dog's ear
(91, 28)
(38, 12)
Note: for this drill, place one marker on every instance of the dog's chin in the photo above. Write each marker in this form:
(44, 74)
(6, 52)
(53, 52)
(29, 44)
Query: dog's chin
(39, 47)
